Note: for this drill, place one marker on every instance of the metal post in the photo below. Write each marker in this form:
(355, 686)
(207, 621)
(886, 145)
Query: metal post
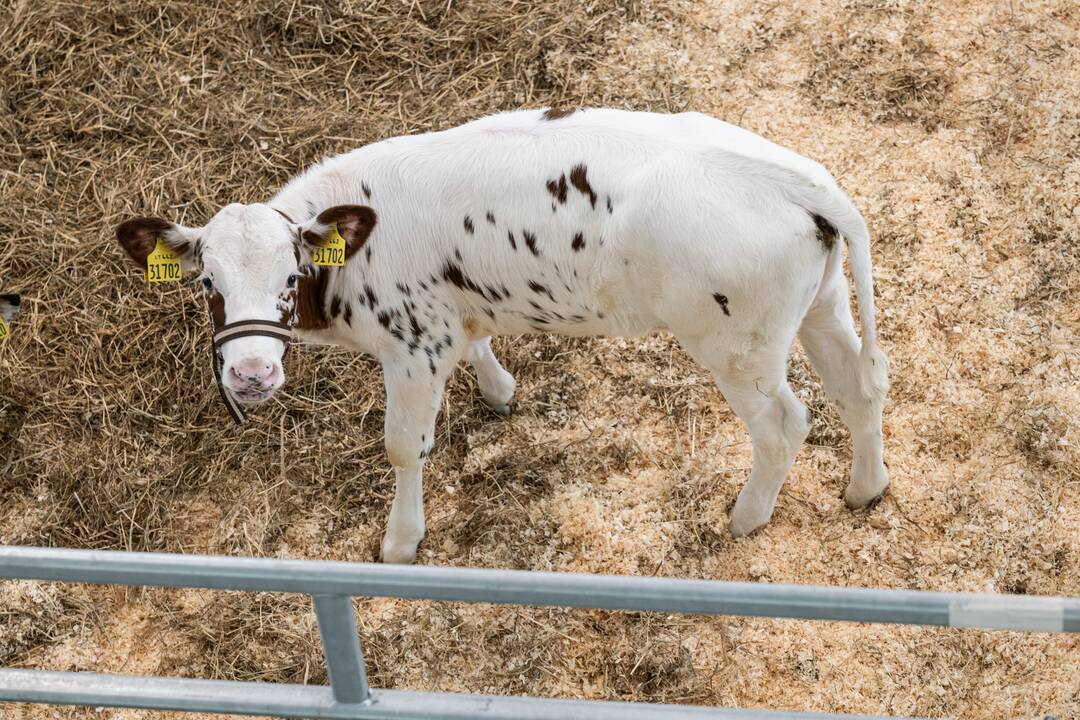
(341, 645)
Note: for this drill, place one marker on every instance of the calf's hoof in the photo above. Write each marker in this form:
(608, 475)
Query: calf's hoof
(399, 553)
(866, 491)
(745, 520)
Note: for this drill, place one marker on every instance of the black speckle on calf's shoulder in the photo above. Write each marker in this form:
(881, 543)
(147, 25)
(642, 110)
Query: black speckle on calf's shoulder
(469, 225)
(722, 301)
(580, 180)
(578, 243)
(557, 188)
(530, 242)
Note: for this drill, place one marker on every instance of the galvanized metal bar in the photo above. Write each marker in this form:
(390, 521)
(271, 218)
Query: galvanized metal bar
(341, 646)
(708, 597)
(309, 701)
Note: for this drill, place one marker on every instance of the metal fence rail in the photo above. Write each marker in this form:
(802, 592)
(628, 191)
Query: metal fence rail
(333, 584)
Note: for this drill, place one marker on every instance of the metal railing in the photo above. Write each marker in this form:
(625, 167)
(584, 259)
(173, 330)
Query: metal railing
(333, 584)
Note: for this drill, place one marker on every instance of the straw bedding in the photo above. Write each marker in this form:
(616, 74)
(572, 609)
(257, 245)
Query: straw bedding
(954, 127)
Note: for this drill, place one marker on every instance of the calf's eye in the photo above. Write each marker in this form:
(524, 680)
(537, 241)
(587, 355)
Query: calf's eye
(208, 284)
(291, 281)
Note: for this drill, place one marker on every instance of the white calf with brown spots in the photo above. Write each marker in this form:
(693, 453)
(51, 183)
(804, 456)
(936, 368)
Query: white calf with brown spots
(594, 222)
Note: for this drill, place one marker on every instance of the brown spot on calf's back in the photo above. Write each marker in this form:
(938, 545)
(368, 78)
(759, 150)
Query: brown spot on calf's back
(579, 179)
(557, 113)
(579, 242)
(826, 232)
(558, 189)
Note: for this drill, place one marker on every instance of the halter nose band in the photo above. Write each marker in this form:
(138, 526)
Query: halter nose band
(234, 331)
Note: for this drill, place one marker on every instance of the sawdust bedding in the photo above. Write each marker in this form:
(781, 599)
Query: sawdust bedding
(952, 125)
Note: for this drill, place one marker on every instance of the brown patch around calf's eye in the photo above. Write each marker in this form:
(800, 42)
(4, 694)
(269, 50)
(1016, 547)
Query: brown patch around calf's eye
(216, 303)
(557, 113)
(310, 301)
(579, 179)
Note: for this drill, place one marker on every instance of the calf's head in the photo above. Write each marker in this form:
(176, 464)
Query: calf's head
(253, 264)
(10, 305)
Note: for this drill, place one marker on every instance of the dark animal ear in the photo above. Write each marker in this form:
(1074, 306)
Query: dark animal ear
(10, 304)
(139, 236)
(353, 222)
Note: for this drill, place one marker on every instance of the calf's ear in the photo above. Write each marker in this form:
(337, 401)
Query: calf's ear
(139, 237)
(353, 222)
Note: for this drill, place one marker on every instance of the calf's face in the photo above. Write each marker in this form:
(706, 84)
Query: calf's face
(250, 261)
(10, 304)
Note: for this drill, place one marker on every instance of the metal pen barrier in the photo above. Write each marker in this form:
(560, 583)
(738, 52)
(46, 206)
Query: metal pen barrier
(332, 585)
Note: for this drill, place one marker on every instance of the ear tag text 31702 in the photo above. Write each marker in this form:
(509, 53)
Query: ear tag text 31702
(331, 253)
(163, 265)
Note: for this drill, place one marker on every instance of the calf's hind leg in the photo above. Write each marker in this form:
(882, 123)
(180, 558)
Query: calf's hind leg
(828, 336)
(755, 387)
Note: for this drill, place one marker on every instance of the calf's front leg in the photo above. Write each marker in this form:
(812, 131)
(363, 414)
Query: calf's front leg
(414, 390)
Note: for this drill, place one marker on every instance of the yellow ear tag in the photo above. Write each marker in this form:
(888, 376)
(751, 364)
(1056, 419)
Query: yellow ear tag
(4, 329)
(163, 265)
(331, 253)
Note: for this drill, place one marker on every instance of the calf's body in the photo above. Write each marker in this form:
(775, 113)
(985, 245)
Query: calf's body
(595, 222)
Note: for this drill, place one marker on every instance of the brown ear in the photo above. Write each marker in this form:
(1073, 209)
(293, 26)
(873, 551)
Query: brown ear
(353, 222)
(138, 237)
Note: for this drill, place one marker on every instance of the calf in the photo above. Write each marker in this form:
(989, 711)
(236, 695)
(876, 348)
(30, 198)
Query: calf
(589, 222)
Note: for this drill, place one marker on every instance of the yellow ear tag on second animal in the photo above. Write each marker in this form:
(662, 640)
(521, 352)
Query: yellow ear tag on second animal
(4, 329)
(163, 265)
(331, 253)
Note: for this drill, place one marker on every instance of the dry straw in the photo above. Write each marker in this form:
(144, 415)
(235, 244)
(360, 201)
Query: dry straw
(953, 125)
